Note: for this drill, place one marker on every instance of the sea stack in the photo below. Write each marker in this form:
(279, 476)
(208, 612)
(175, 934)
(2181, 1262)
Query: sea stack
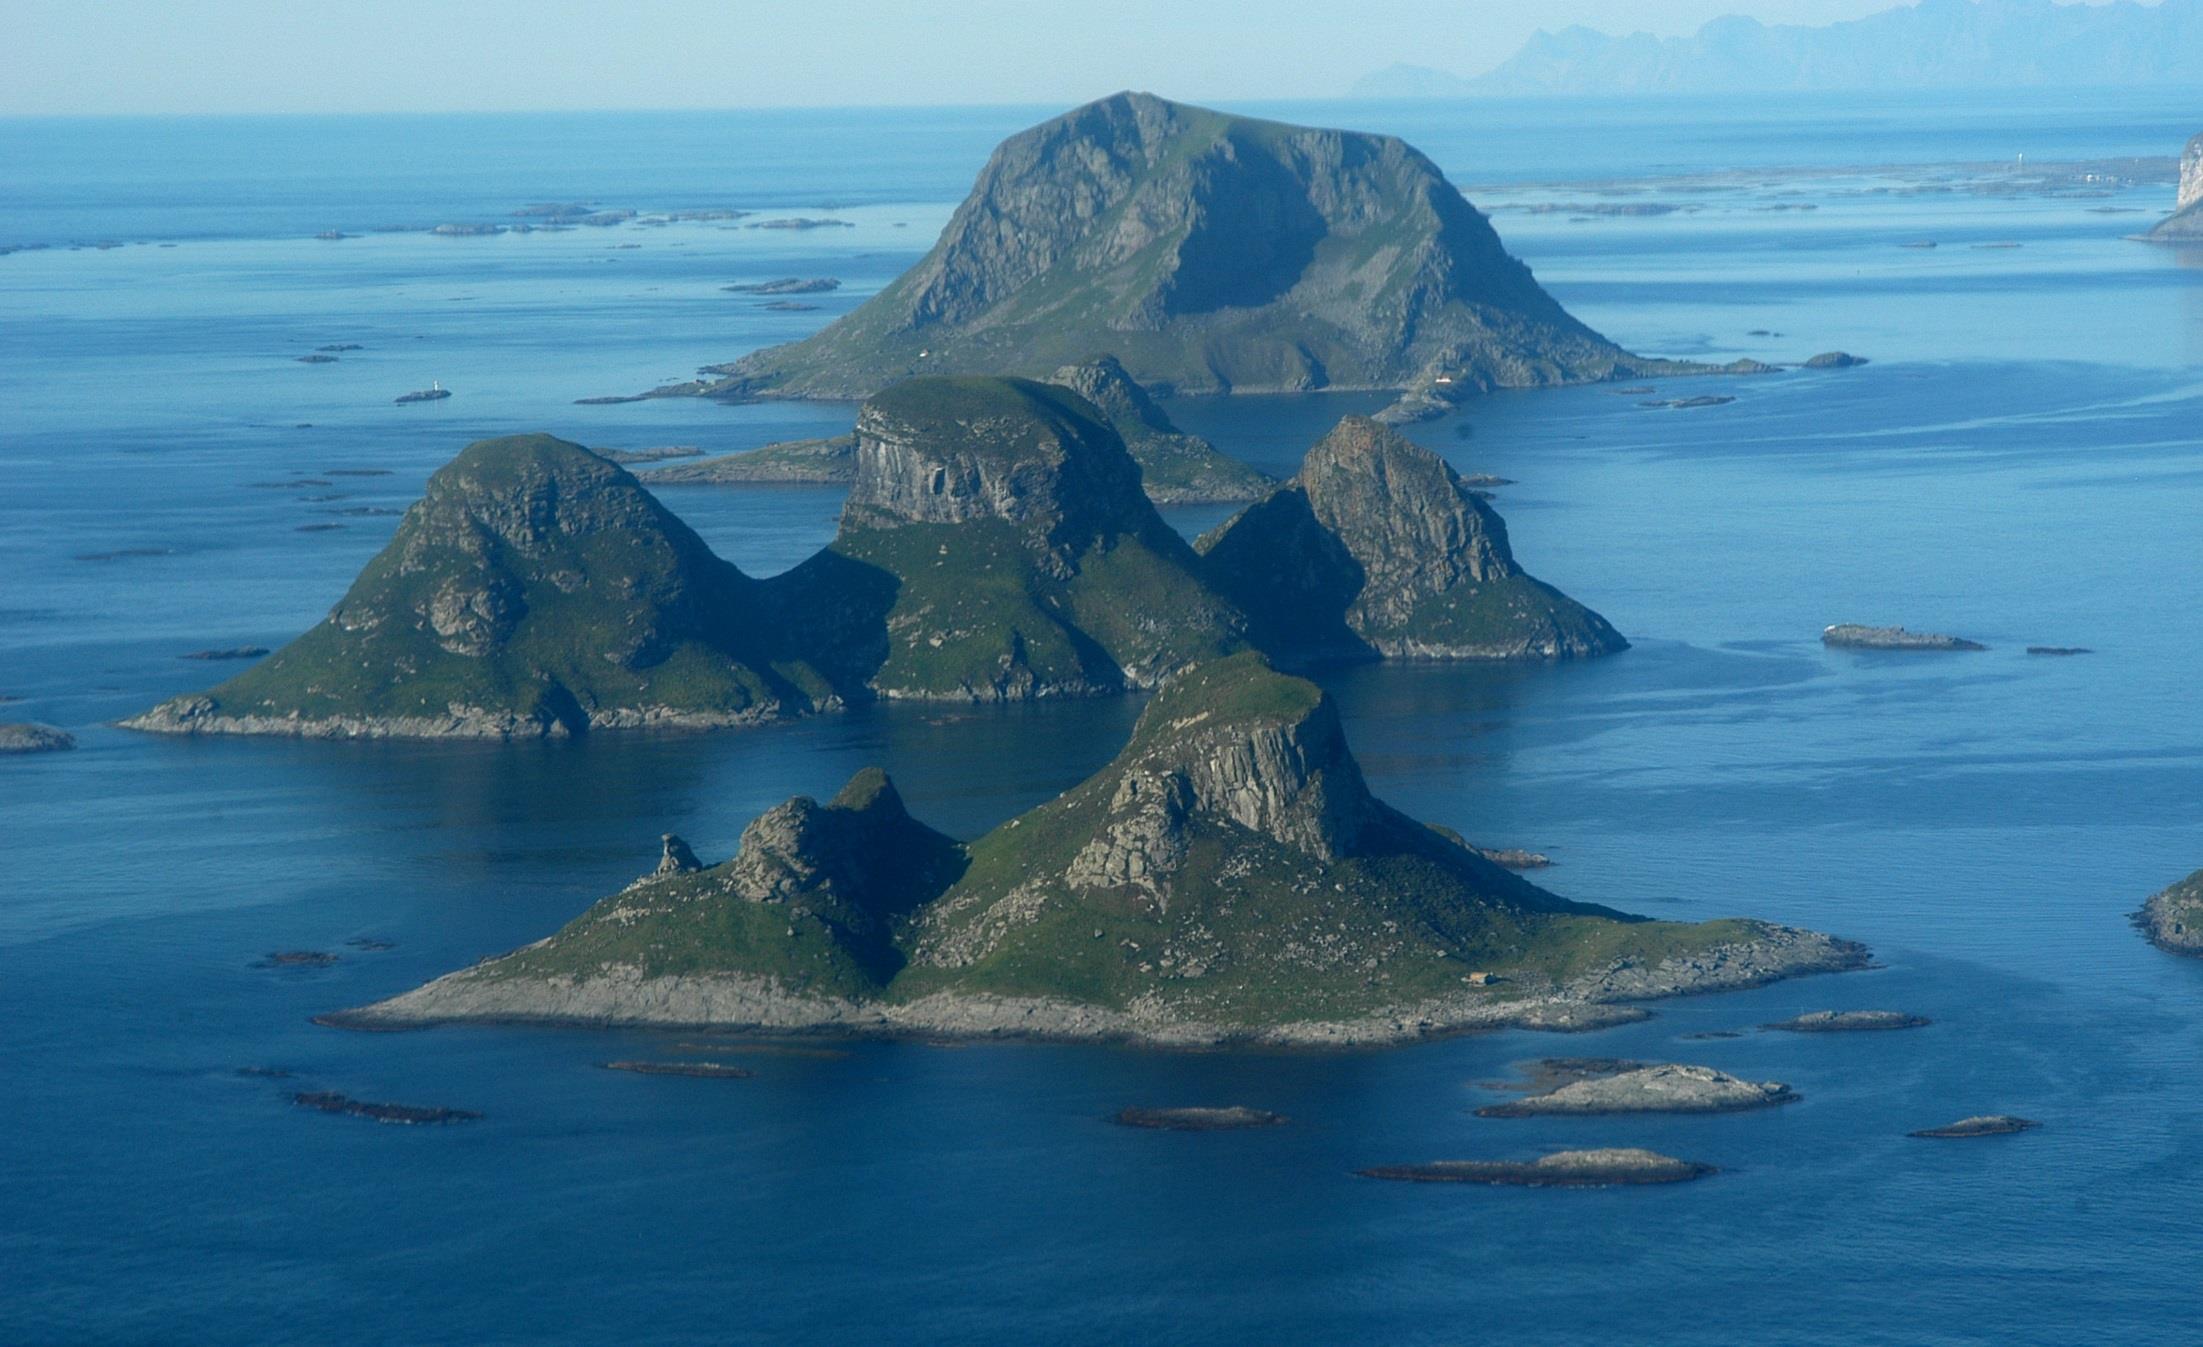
(1227, 877)
(2185, 224)
(1211, 253)
(1377, 549)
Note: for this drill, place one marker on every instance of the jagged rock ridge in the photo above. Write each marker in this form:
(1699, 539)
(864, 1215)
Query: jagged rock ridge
(1210, 252)
(1228, 876)
(1377, 548)
(995, 546)
(1175, 468)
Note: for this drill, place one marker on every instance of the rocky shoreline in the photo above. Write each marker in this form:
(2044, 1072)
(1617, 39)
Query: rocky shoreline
(624, 998)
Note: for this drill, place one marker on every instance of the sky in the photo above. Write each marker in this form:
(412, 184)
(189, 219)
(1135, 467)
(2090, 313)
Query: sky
(320, 56)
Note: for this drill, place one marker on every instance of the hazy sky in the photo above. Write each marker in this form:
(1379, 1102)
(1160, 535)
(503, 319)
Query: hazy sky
(185, 56)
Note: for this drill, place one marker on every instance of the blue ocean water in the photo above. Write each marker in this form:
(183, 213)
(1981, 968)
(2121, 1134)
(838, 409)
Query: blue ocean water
(2019, 463)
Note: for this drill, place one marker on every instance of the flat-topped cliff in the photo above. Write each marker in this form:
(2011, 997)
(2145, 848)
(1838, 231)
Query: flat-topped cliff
(1210, 253)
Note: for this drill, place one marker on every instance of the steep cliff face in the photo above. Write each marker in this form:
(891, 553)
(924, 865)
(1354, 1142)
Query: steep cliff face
(534, 589)
(1175, 468)
(1210, 253)
(1229, 875)
(2185, 224)
(1376, 548)
(1001, 549)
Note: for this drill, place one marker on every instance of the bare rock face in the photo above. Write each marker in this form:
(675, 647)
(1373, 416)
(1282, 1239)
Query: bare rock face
(950, 451)
(1377, 548)
(2173, 918)
(1211, 252)
(2185, 224)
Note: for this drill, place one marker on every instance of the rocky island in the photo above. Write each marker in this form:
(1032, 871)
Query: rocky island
(2185, 224)
(1228, 877)
(2173, 918)
(1211, 253)
(1378, 549)
(1234, 1118)
(1853, 636)
(995, 545)
(1981, 1125)
(1580, 1087)
(1611, 1167)
(1849, 1022)
(28, 736)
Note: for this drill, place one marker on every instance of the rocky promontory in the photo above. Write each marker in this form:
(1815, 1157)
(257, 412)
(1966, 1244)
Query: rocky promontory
(1211, 253)
(1175, 468)
(1853, 636)
(1228, 877)
(1377, 549)
(829, 459)
(1606, 1168)
(2185, 224)
(1586, 1088)
(2173, 917)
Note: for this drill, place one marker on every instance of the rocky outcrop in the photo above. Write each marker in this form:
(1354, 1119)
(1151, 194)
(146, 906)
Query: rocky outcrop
(26, 736)
(1606, 1168)
(1230, 1119)
(1835, 360)
(1227, 878)
(832, 459)
(2173, 917)
(1175, 468)
(1853, 636)
(1586, 1089)
(1850, 1021)
(1980, 1125)
(1377, 549)
(535, 589)
(677, 858)
(1211, 253)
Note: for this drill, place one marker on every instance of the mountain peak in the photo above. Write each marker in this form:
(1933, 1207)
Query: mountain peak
(1210, 252)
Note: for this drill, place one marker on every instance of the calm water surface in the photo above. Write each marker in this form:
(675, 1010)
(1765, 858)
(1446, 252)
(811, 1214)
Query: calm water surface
(2019, 464)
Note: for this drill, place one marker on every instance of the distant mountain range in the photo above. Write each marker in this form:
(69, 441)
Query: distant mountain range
(1935, 44)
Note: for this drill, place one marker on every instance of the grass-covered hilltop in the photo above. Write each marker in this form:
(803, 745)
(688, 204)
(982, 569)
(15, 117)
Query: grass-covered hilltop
(534, 589)
(1211, 253)
(1377, 548)
(996, 545)
(1229, 876)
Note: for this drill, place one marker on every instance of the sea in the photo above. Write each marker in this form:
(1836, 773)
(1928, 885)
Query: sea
(2021, 463)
